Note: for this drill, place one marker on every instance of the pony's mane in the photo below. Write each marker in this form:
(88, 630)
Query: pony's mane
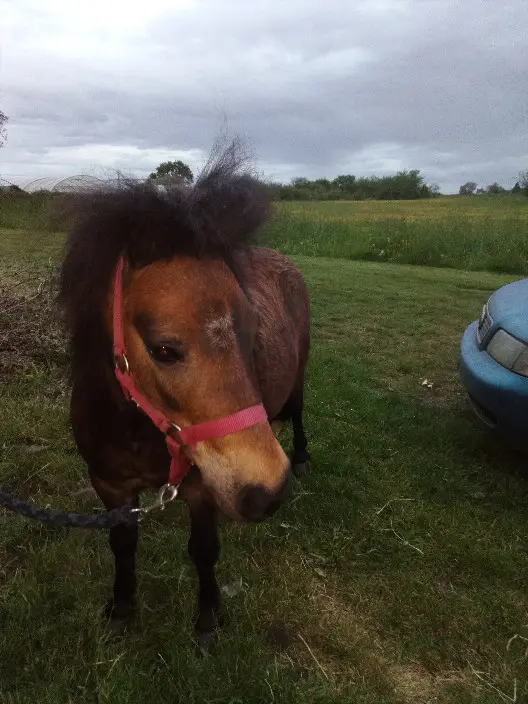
(216, 217)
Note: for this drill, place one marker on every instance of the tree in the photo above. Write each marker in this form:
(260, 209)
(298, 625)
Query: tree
(434, 190)
(523, 182)
(516, 188)
(3, 133)
(406, 185)
(300, 182)
(176, 170)
(468, 189)
(345, 183)
(495, 189)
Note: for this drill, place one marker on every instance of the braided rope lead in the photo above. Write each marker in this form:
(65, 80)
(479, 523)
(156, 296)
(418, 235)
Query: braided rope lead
(101, 521)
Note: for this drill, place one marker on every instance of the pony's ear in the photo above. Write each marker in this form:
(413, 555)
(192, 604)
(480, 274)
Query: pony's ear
(229, 204)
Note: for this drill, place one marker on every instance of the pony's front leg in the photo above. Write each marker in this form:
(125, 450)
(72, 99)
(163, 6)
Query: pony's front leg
(204, 550)
(123, 543)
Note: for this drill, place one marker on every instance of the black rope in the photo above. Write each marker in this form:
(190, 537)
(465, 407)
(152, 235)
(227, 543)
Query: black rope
(64, 519)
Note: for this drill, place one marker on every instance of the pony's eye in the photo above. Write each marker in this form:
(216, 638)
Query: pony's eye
(167, 354)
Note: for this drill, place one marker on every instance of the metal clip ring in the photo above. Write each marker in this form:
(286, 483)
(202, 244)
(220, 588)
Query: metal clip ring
(166, 494)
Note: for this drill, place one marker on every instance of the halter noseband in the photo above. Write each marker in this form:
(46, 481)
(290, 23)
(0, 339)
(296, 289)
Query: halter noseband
(176, 438)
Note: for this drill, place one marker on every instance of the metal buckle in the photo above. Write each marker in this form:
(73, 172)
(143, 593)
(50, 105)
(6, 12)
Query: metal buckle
(172, 433)
(166, 494)
(122, 358)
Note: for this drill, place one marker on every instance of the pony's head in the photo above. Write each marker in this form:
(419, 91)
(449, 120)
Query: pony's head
(189, 327)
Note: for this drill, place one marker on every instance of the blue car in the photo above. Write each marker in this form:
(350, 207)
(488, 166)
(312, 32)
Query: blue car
(494, 363)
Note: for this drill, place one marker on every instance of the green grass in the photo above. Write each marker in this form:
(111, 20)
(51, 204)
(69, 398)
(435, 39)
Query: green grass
(479, 234)
(18, 248)
(35, 211)
(399, 565)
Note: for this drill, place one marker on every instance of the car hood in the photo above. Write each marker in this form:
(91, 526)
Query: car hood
(508, 308)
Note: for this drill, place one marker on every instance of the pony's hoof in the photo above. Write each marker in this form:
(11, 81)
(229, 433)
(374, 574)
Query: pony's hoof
(118, 627)
(206, 641)
(206, 628)
(118, 617)
(301, 468)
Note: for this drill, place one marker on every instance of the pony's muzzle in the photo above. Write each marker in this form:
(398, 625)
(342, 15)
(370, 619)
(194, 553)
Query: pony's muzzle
(256, 503)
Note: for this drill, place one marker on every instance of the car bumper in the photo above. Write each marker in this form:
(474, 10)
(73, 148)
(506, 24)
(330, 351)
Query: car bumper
(498, 397)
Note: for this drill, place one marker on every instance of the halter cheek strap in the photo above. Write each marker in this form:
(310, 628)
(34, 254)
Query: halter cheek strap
(176, 438)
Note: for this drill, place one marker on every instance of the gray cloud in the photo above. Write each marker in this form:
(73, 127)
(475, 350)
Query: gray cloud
(318, 88)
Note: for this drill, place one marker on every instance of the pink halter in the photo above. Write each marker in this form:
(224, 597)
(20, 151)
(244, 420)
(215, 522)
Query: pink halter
(179, 437)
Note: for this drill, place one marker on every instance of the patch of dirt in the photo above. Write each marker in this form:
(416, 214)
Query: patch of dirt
(413, 684)
(348, 643)
(342, 646)
(30, 326)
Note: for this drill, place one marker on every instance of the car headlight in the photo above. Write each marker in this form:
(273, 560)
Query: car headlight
(509, 352)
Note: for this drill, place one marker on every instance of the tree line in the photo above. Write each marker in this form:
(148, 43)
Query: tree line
(471, 187)
(405, 185)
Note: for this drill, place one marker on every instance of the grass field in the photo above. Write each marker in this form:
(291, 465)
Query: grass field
(480, 233)
(397, 573)
(484, 233)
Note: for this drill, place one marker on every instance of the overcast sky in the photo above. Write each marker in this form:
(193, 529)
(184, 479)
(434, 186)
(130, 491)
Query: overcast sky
(318, 87)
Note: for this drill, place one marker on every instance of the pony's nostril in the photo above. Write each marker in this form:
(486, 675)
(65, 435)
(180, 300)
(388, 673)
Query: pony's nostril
(253, 501)
(256, 503)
